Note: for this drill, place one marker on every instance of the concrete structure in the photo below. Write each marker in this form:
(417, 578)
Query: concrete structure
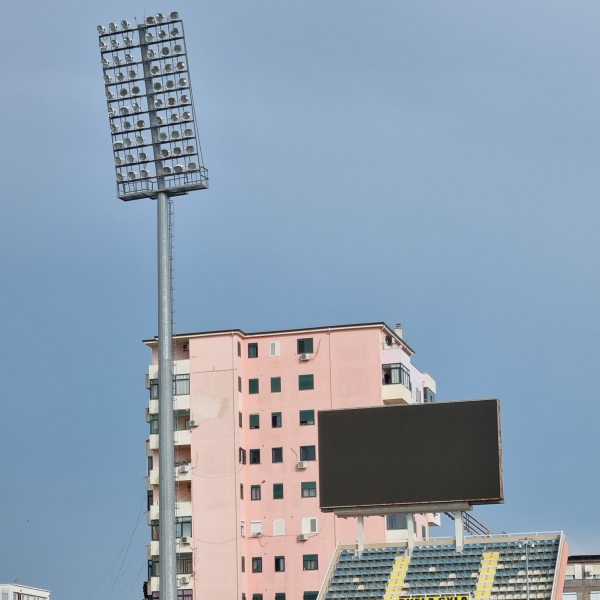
(245, 448)
(582, 578)
(13, 591)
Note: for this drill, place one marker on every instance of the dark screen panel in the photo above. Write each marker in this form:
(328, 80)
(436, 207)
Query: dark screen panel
(405, 454)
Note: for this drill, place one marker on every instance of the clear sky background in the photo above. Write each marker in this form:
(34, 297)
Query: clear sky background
(429, 163)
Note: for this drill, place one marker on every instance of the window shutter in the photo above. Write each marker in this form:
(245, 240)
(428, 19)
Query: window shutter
(279, 527)
(309, 525)
(274, 349)
(313, 525)
(256, 527)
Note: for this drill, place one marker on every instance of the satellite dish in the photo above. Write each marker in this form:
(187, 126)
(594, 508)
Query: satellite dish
(388, 340)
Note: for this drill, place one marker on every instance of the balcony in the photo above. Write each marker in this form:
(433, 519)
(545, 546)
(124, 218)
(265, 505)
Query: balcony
(184, 582)
(395, 393)
(154, 548)
(434, 519)
(182, 473)
(182, 437)
(182, 509)
(180, 403)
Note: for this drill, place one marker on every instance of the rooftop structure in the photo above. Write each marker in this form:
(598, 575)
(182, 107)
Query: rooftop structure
(582, 578)
(14, 591)
(246, 405)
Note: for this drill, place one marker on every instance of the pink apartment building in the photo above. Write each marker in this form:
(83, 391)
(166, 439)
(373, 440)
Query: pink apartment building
(246, 404)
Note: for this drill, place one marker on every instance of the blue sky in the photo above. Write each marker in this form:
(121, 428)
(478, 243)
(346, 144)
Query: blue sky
(429, 163)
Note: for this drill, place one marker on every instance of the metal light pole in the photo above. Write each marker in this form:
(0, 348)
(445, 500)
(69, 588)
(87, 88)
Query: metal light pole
(527, 545)
(165, 110)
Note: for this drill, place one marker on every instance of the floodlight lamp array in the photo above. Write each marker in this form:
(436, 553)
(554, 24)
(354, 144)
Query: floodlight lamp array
(150, 108)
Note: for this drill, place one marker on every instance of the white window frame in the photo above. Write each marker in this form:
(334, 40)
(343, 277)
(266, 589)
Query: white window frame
(274, 349)
(278, 527)
(310, 525)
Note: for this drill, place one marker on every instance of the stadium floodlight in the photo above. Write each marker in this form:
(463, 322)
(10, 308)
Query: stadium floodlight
(146, 123)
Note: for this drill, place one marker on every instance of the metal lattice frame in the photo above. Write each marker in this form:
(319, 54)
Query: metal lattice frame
(151, 109)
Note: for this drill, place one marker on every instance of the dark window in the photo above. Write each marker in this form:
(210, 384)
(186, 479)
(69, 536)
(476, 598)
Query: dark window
(255, 492)
(305, 346)
(183, 527)
(254, 421)
(153, 568)
(239, 384)
(241, 491)
(153, 425)
(307, 417)
(279, 564)
(253, 386)
(394, 374)
(150, 499)
(243, 564)
(280, 596)
(306, 382)
(423, 532)
(310, 562)
(149, 464)
(154, 389)
(307, 453)
(394, 522)
(155, 528)
(276, 419)
(277, 454)
(257, 597)
(252, 350)
(255, 457)
(310, 595)
(243, 595)
(278, 491)
(239, 349)
(309, 489)
(242, 456)
(257, 566)
(275, 384)
(241, 420)
(428, 395)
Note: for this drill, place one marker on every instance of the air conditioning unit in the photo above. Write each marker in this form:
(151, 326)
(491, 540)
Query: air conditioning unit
(305, 356)
(183, 469)
(189, 487)
(186, 540)
(193, 423)
(185, 579)
(303, 537)
(185, 347)
(302, 464)
(256, 534)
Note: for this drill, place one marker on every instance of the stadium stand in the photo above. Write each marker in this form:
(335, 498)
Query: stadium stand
(489, 568)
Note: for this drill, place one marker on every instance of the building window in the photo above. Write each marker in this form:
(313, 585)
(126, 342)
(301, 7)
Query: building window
(394, 374)
(276, 419)
(255, 528)
(181, 385)
(184, 564)
(150, 499)
(278, 491)
(241, 419)
(253, 386)
(153, 568)
(240, 349)
(395, 522)
(307, 417)
(242, 529)
(153, 425)
(279, 564)
(275, 385)
(305, 346)
(306, 382)
(257, 565)
(278, 526)
(242, 456)
(255, 492)
(310, 525)
(257, 597)
(423, 532)
(280, 596)
(154, 389)
(150, 461)
(277, 454)
(252, 350)
(274, 349)
(243, 564)
(310, 595)
(241, 491)
(308, 453)
(155, 529)
(183, 527)
(310, 562)
(243, 596)
(255, 457)
(309, 489)
(254, 421)
(428, 395)
(239, 384)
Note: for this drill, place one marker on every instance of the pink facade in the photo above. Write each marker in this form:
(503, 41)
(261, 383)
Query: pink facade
(346, 365)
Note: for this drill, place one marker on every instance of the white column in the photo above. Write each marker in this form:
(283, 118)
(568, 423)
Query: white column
(410, 526)
(361, 535)
(459, 531)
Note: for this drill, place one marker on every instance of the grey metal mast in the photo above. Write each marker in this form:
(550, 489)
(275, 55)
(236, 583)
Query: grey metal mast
(174, 168)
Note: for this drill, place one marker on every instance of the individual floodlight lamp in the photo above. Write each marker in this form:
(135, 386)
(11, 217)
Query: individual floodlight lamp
(151, 111)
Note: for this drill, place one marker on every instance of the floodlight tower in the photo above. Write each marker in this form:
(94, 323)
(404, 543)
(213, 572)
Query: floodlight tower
(148, 90)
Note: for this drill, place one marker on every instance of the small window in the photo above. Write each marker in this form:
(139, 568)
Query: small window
(257, 597)
(280, 564)
(243, 564)
(153, 425)
(253, 386)
(310, 562)
(241, 491)
(255, 528)
(309, 489)
(155, 530)
(242, 529)
(243, 596)
(239, 384)
(278, 527)
(275, 419)
(423, 532)
(255, 457)
(428, 395)
(305, 346)
(310, 595)
(306, 382)
(254, 421)
(395, 522)
(307, 417)
(280, 596)
(306, 453)
(181, 385)
(240, 349)
(277, 454)
(154, 389)
(274, 349)
(242, 456)
(278, 491)
(275, 385)
(150, 499)
(252, 350)
(257, 568)
(255, 492)
(183, 527)
(241, 420)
